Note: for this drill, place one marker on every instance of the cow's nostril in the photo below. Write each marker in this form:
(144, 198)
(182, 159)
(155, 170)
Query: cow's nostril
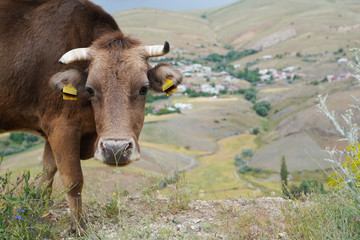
(129, 147)
(103, 147)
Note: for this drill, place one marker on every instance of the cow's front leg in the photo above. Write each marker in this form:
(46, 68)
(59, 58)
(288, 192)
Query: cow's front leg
(65, 143)
(49, 167)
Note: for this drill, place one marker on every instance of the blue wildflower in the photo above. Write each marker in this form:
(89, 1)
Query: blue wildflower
(35, 186)
(31, 229)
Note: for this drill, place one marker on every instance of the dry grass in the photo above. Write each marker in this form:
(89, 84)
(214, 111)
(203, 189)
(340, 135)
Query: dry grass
(215, 176)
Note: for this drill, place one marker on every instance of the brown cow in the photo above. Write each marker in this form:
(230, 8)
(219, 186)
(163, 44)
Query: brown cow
(109, 70)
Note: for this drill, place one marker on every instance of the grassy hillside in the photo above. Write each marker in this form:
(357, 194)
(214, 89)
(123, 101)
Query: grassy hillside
(274, 26)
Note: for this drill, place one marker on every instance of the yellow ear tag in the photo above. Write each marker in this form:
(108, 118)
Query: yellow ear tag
(69, 93)
(169, 87)
(168, 84)
(171, 91)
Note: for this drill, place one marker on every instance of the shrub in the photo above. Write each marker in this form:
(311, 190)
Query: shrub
(262, 108)
(239, 161)
(311, 186)
(262, 111)
(223, 91)
(18, 142)
(193, 94)
(252, 76)
(255, 131)
(17, 137)
(240, 91)
(148, 110)
(245, 169)
(6, 143)
(315, 83)
(249, 95)
(149, 98)
(246, 153)
(293, 192)
(167, 111)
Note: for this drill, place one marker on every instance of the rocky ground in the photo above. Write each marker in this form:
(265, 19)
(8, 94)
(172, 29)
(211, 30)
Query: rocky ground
(141, 218)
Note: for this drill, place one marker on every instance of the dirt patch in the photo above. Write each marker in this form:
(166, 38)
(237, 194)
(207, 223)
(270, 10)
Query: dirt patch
(274, 38)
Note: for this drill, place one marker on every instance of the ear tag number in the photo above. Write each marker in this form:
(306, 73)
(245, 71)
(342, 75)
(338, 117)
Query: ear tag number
(169, 87)
(69, 93)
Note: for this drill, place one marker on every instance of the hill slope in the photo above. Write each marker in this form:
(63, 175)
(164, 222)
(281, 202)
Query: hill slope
(283, 26)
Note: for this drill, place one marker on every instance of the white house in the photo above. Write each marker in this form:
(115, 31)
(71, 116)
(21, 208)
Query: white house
(183, 106)
(267, 57)
(209, 89)
(224, 73)
(219, 87)
(289, 69)
(187, 74)
(236, 66)
(342, 60)
(206, 69)
(181, 88)
(265, 78)
(263, 71)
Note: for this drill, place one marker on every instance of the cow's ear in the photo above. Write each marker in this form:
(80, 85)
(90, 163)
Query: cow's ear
(158, 75)
(76, 78)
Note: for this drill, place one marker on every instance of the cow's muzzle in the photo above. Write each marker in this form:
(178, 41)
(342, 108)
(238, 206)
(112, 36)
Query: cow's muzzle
(117, 152)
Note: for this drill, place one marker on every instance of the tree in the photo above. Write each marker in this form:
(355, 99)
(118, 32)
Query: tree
(17, 137)
(149, 98)
(249, 95)
(262, 108)
(284, 177)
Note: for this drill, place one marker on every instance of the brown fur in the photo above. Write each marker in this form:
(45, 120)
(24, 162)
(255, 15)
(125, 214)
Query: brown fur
(33, 36)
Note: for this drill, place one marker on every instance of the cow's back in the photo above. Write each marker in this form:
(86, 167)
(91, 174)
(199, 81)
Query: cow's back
(34, 34)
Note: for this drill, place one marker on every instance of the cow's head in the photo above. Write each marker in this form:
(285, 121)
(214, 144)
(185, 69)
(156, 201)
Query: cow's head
(118, 79)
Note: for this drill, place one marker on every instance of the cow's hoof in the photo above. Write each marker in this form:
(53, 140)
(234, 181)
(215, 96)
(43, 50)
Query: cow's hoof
(78, 228)
(74, 230)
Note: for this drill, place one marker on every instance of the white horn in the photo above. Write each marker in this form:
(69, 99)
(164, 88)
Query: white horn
(77, 54)
(157, 50)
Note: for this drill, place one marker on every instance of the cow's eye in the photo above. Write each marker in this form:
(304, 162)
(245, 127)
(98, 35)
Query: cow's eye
(90, 91)
(144, 90)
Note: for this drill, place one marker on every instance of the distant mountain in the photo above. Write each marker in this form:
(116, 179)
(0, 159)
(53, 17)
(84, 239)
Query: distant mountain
(276, 27)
